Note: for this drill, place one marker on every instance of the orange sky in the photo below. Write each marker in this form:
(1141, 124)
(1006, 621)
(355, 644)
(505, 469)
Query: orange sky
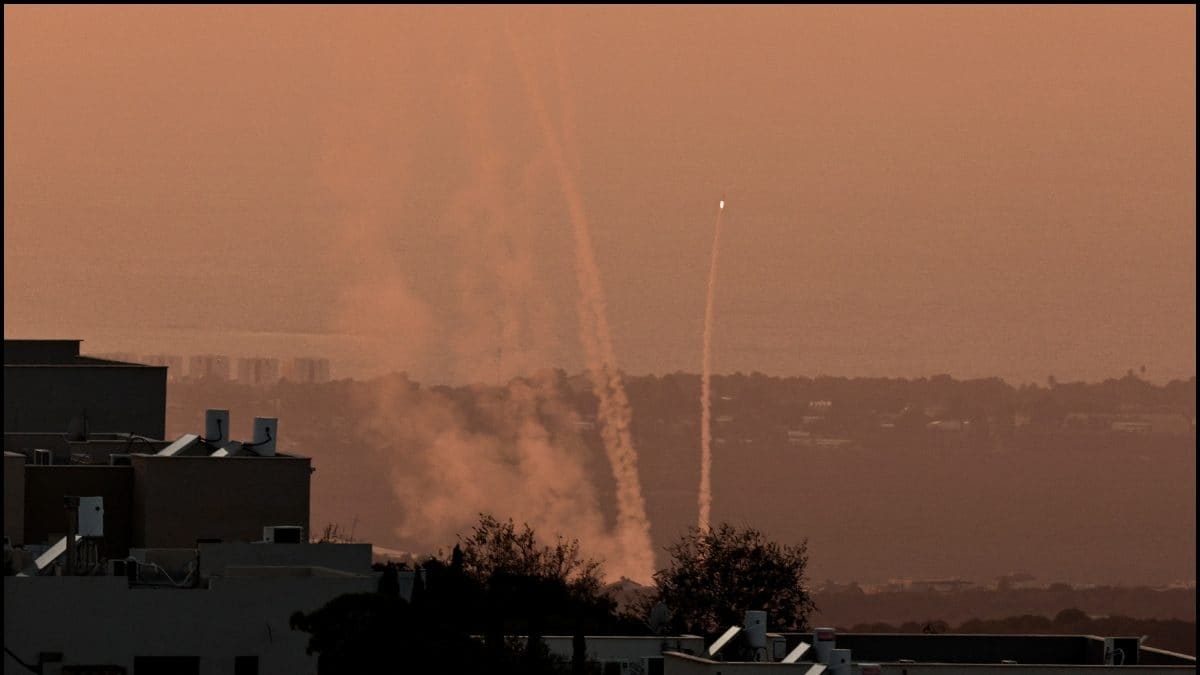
(912, 190)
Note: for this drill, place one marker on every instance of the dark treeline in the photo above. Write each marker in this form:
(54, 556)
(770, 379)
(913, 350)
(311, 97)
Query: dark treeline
(763, 405)
(849, 605)
(1172, 635)
(499, 582)
(1123, 448)
(504, 585)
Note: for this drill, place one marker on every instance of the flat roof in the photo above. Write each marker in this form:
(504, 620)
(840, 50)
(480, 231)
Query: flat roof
(55, 353)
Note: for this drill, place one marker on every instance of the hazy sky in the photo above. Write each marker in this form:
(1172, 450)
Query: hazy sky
(912, 190)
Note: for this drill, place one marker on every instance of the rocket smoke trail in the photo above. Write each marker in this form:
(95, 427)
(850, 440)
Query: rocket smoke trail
(705, 386)
(633, 527)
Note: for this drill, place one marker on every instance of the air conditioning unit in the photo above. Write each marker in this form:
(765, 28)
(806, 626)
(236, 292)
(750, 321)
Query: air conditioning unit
(282, 534)
(91, 516)
(119, 459)
(43, 457)
(839, 662)
(778, 647)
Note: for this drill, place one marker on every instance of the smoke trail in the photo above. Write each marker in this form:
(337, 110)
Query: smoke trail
(565, 100)
(507, 327)
(449, 455)
(705, 388)
(511, 451)
(365, 170)
(633, 527)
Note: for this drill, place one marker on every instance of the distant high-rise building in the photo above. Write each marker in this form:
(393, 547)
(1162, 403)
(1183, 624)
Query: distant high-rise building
(211, 366)
(308, 370)
(258, 371)
(173, 362)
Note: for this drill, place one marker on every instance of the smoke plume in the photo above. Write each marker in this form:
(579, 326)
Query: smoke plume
(705, 386)
(510, 451)
(615, 415)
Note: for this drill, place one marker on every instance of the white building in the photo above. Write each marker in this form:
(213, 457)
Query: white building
(213, 366)
(258, 371)
(307, 370)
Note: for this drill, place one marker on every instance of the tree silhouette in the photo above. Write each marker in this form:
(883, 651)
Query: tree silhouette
(715, 577)
(533, 588)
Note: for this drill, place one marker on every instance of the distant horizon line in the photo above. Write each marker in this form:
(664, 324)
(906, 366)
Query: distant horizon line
(823, 376)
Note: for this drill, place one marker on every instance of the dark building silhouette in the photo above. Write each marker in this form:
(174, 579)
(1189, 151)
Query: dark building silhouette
(50, 389)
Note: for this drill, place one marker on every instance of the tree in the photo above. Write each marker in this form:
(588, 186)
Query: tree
(1071, 616)
(715, 577)
(496, 547)
(353, 632)
(533, 588)
(499, 581)
(389, 583)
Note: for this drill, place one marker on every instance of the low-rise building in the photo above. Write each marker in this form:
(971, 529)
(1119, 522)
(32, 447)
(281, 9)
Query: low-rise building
(49, 388)
(753, 651)
(138, 554)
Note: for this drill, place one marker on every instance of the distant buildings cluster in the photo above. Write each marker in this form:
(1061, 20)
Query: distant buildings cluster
(254, 370)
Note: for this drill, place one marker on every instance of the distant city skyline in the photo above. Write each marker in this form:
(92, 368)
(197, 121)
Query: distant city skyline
(256, 369)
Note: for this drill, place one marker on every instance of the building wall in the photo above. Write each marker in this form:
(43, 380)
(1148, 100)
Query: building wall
(353, 558)
(14, 498)
(100, 451)
(623, 647)
(117, 398)
(45, 487)
(100, 620)
(952, 648)
(1025, 669)
(40, 351)
(177, 500)
(26, 443)
(680, 664)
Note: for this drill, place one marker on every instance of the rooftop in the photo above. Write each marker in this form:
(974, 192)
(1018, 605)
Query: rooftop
(54, 353)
